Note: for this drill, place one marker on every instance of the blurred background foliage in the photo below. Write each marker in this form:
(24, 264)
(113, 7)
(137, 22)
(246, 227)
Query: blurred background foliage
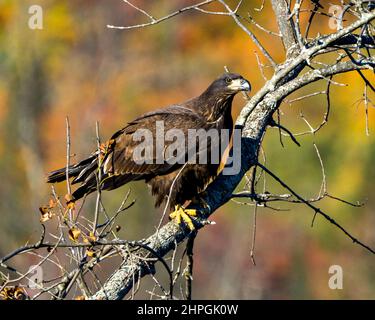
(77, 67)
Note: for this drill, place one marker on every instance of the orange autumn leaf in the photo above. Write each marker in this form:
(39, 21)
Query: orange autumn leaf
(90, 253)
(13, 293)
(46, 213)
(71, 205)
(68, 197)
(52, 203)
(90, 238)
(74, 234)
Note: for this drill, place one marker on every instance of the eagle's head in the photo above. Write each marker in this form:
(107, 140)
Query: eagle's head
(230, 84)
(216, 100)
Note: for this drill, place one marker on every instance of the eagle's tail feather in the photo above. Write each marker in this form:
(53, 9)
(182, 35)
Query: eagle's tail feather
(57, 175)
(85, 172)
(73, 171)
(82, 191)
(108, 183)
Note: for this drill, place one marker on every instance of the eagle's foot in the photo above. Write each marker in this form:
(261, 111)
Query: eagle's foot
(181, 214)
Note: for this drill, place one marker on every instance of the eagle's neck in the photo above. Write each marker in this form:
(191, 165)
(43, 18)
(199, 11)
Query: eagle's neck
(214, 106)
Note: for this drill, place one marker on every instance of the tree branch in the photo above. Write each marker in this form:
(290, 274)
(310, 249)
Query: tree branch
(220, 190)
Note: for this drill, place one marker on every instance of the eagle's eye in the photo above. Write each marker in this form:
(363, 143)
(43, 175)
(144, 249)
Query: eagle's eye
(228, 80)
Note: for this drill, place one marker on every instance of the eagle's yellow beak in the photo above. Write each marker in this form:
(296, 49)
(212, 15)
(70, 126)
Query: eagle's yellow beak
(240, 85)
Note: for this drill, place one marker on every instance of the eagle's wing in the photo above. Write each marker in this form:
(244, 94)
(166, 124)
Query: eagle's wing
(122, 160)
(119, 164)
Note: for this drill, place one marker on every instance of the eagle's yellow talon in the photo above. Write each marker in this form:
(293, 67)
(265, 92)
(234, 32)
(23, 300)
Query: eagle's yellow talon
(180, 213)
(178, 218)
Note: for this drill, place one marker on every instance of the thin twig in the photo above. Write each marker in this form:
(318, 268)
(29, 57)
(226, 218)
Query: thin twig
(252, 250)
(317, 210)
(167, 17)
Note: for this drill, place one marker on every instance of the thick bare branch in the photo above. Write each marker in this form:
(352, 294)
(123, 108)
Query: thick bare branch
(221, 190)
(286, 27)
(253, 121)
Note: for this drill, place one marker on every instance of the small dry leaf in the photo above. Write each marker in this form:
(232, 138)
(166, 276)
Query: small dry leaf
(43, 209)
(74, 234)
(90, 238)
(52, 203)
(90, 253)
(102, 147)
(71, 205)
(19, 294)
(80, 298)
(68, 197)
(13, 293)
(46, 213)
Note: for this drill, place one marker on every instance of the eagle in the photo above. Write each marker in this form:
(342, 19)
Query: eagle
(178, 182)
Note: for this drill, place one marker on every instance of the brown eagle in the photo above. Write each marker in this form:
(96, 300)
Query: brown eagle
(177, 182)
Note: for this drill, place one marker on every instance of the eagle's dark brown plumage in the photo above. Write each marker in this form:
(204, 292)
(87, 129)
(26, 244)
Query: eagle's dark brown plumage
(210, 110)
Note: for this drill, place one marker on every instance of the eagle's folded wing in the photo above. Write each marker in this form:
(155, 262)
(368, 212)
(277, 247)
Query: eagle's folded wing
(123, 160)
